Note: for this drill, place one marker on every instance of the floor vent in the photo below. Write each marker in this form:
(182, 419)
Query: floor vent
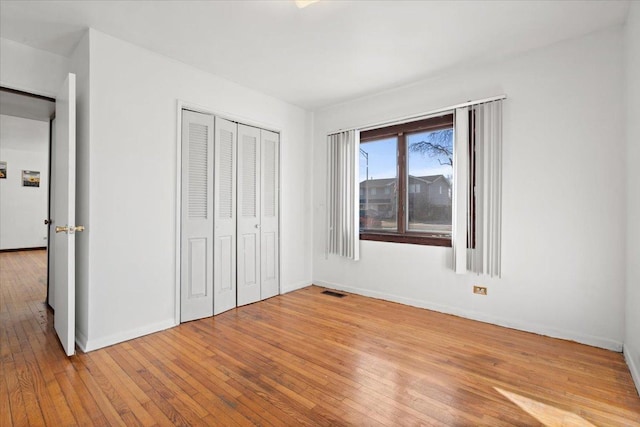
(334, 294)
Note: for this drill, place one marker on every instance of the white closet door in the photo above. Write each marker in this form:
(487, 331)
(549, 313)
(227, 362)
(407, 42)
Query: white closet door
(224, 234)
(269, 236)
(196, 250)
(248, 214)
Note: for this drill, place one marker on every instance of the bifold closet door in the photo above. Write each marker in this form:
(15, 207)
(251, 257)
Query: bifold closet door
(224, 232)
(196, 243)
(248, 214)
(269, 221)
(258, 214)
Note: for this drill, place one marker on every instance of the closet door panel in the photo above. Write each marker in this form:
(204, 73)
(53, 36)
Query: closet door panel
(224, 233)
(196, 238)
(250, 270)
(270, 215)
(248, 214)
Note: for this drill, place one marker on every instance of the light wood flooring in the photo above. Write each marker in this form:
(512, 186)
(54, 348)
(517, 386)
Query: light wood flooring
(303, 358)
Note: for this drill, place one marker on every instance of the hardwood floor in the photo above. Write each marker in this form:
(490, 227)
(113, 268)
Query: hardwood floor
(303, 358)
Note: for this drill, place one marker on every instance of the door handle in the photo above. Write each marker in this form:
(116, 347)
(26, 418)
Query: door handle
(69, 229)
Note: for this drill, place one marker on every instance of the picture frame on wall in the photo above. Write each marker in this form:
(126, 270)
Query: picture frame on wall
(30, 178)
(3, 170)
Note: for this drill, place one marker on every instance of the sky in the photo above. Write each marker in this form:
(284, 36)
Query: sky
(382, 159)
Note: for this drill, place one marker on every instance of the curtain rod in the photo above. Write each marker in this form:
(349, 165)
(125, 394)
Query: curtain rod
(420, 115)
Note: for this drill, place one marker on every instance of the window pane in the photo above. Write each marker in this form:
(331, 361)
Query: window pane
(429, 181)
(378, 180)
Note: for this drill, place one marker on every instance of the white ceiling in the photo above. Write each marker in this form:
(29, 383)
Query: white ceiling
(329, 52)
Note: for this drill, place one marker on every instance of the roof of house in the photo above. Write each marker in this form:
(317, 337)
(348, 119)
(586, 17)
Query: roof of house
(390, 181)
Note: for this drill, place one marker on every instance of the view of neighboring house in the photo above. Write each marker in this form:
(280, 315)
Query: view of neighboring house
(429, 197)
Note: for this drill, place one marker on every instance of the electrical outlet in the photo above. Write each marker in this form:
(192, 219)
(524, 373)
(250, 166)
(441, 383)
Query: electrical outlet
(480, 290)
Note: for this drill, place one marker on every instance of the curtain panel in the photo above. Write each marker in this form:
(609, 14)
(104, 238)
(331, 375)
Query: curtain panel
(343, 227)
(477, 229)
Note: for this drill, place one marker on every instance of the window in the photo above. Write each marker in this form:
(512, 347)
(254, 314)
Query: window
(413, 162)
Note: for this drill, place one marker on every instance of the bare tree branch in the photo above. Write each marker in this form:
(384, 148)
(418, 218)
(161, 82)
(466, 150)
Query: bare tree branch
(438, 144)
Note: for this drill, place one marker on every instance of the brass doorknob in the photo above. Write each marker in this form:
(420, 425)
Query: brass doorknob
(69, 229)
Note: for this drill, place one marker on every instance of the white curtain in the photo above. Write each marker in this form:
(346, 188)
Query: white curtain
(460, 225)
(477, 235)
(343, 227)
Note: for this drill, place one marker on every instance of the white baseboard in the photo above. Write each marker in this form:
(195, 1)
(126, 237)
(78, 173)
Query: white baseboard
(81, 340)
(631, 363)
(295, 286)
(482, 317)
(87, 345)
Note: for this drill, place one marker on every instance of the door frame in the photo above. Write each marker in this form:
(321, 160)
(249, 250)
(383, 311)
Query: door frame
(185, 105)
(49, 200)
(33, 94)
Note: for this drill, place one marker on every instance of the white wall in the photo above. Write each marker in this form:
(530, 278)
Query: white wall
(24, 145)
(132, 199)
(36, 71)
(564, 208)
(632, 332)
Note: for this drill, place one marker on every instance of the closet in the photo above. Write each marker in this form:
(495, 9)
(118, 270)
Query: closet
(229, 239)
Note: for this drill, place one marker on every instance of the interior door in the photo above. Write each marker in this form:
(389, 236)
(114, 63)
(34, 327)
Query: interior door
(224, 230)
(248, 214)
(196, 234)
(64, 215)
(269, 221)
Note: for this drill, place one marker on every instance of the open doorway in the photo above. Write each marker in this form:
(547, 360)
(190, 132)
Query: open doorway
(59, 197)
(26, 129)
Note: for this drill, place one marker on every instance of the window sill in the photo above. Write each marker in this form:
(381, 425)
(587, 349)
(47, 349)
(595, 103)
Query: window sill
(413, 239)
